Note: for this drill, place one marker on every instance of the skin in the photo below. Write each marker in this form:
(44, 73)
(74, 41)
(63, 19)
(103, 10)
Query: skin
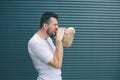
(48, 30)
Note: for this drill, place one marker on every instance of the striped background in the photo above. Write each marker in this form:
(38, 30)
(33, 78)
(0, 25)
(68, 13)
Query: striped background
(95, 53)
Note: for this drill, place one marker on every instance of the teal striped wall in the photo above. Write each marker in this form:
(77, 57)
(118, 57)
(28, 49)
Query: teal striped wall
(95, 53)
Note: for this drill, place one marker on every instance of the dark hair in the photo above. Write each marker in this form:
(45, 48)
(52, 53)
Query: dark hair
(46, 17)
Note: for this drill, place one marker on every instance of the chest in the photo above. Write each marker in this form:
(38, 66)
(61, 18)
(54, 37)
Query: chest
(49, 46)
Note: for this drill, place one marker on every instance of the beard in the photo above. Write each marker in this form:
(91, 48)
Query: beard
(52, 35)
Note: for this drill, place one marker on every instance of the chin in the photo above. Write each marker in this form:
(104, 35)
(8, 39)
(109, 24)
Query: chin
(51, 35)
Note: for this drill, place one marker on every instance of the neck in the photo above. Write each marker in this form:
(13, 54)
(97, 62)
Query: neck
(42, 33)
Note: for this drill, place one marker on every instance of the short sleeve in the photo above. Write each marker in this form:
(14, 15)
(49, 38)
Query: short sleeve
(40, 51)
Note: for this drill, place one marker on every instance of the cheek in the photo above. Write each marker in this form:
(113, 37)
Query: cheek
(53, 29)
(50, 30)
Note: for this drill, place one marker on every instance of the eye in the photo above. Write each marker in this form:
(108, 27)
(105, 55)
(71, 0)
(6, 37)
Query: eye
(56, 25)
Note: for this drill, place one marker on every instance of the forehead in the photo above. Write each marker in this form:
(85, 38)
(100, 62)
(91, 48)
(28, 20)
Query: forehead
(53, 20)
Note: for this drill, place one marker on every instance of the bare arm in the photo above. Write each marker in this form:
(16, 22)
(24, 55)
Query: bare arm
(58, 56)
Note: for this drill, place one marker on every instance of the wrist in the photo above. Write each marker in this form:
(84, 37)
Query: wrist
(59, 41)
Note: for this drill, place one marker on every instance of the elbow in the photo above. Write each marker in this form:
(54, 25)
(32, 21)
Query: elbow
(55, 64)
(58, 66)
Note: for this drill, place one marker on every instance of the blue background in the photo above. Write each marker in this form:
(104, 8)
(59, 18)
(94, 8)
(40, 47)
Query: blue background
(95, 53)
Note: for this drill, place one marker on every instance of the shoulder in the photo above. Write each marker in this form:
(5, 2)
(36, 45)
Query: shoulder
(33, 39)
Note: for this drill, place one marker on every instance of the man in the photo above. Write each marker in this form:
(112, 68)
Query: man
(46, 57)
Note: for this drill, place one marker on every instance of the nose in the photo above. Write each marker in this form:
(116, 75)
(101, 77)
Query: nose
(57, 27)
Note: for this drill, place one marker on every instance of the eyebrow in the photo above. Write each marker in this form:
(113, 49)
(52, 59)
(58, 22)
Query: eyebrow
(56, 23)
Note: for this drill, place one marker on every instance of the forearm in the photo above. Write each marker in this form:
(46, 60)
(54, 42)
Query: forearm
(58, 55)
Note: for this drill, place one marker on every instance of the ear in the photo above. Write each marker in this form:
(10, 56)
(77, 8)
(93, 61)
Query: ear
(45, 26)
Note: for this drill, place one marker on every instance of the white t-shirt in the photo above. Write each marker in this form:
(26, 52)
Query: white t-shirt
(41, 52)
